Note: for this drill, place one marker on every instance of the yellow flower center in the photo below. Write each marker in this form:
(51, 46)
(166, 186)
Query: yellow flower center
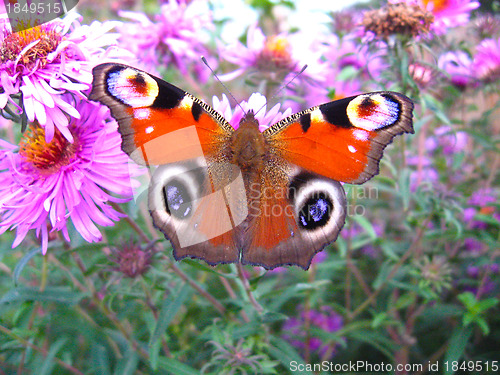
(46, 158)
(275, 54)
(13, 44)
(439, 5)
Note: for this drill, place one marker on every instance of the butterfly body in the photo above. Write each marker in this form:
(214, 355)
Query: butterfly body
(240, 195)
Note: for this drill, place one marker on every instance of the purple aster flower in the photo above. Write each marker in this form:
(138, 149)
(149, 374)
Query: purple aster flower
(487, 60)
(482, 197)
(425, 173)
(352, 53)
(45, 62)
(481, 201)
(45, 185)
(325, 319)
(449, 140)
(474, 246)
(473, 271)
(354, 230)
(257, 103)
(349, 56)
(457, 65)
(175, 36)
(275, 58)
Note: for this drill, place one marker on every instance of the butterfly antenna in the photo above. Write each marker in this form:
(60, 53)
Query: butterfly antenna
(284, 87)
(223, 85)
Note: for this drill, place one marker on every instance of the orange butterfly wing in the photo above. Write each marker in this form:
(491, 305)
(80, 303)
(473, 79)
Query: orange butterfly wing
(344, 139)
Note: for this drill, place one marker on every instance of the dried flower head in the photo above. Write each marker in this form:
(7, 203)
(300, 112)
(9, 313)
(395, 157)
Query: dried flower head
(401, 18)
(232, 359)
(344, 21)
(132, 260)
(434, 274)
(487, 25)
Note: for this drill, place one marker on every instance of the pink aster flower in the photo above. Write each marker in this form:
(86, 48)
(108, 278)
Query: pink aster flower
(43, 63)
(457, 65)
(352, 63)
(448, 13)
(45, 185)
(487, 60)
(174, 37)
(450, 141)
(258, 103)
(277, 58)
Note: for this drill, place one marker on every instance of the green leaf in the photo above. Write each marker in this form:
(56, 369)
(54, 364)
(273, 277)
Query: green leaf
(50, 294)
(483, 325)
(127, 365)
(404, 187)
(347, 73)
(315, 285)
(171, 306)
(48, 364)
(22, 263)
(376, 340)
(270, 317)
(456, 347)
(174, 367)
(488, 219)
(285, 353)
(487, 304)
(246, 330)
(405, 300)
(154, 354)
(379, 319)
(100, 359)
(468, 299)
(205, 268)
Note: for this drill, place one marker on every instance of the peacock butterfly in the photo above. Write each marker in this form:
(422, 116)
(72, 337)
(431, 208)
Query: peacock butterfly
(266, 198)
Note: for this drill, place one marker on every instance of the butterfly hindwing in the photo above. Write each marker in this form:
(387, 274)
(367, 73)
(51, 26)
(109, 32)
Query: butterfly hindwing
(192, 212)
(344, 139)
(293, 219)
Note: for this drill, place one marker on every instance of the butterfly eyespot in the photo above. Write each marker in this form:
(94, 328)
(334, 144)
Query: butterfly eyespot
(316, 211)
(373, 111)
(178, 201)
(319, 203)
(175, 188)
(132, 87)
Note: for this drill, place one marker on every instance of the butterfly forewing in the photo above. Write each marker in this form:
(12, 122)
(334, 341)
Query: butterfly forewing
(159, 122)
(344, 139)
